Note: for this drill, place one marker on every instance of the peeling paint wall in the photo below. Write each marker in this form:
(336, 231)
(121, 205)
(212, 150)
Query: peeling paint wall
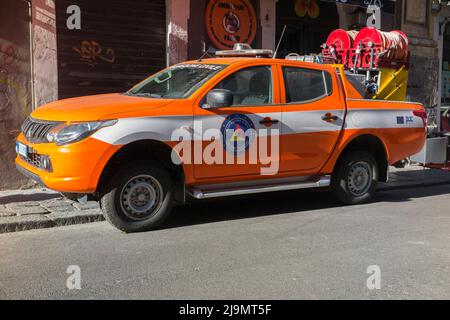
(44, 52)
(15, 83)
(27, 54)
(177, 30)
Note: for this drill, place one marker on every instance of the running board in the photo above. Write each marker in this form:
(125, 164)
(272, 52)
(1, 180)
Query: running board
(197, 193)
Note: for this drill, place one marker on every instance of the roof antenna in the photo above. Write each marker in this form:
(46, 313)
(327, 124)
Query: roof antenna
(206, 53)
(279, 42)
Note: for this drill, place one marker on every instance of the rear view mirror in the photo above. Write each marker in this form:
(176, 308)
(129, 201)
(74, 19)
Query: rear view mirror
(218, 98)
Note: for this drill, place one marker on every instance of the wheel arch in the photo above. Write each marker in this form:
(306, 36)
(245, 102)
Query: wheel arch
(372, 144)
(148, 150)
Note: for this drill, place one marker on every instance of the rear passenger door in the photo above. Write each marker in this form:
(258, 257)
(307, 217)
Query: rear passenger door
(312, 117)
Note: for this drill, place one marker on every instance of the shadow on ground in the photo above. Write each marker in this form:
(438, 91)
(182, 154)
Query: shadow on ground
(41, 196)
(243, 207)
(258, 205)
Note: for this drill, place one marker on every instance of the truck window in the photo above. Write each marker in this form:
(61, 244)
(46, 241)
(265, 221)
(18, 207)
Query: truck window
(177, 82)
(250, 86)
(303, 85)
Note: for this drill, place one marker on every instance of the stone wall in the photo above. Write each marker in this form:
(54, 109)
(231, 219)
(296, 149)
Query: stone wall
(424, 71)
(417, 23)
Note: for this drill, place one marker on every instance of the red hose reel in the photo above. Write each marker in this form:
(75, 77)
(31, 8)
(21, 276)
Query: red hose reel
(367, 49)
(339, 45)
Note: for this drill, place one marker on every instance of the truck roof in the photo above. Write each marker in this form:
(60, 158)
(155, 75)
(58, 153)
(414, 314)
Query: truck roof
(244, 60)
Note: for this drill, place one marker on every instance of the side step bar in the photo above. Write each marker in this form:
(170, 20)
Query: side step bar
(197, 193)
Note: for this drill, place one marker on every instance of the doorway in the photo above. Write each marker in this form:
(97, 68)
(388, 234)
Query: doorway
(119, 45)
(307, 26)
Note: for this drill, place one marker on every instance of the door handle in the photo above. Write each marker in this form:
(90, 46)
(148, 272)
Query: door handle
(269, 121)
(329, 117)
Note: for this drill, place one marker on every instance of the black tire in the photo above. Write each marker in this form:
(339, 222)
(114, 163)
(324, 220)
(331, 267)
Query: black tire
(118, 200)
(346, 184)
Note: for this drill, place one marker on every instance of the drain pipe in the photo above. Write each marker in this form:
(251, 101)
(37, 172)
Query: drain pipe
(32, 78)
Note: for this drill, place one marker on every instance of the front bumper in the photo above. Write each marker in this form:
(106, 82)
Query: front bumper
(76, 168)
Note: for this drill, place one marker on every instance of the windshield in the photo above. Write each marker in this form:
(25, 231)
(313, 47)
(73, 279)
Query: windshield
(177, 82)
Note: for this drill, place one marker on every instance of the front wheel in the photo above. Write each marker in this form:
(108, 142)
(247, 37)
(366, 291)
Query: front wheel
(139, 198)
(355, 178)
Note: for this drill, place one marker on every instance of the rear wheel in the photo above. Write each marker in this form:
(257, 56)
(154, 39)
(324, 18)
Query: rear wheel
(138, 199)
(355, 178)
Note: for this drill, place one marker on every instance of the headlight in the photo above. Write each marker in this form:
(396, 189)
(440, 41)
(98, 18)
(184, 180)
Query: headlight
(74, 132)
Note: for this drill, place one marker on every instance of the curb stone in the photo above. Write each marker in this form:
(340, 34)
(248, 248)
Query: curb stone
(91, 205)
(21, 205)
(6, 213)
(61, 208)
(58, 202)
(22, 223)
(75, 217)
(59, 205)
(30, 211)
(50, 220)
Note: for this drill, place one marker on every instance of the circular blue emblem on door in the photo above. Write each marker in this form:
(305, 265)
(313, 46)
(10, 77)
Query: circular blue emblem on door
(238, 133)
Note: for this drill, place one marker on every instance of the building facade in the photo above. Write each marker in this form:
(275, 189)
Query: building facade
(54, 49)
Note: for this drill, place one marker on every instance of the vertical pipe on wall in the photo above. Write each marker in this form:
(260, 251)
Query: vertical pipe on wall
(177, 23)
(168, 18)
(268, 23)
(32, 78)
(440, 23)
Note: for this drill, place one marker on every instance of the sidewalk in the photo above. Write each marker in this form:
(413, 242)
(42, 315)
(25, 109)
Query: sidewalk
(40, 208)
(415, 176)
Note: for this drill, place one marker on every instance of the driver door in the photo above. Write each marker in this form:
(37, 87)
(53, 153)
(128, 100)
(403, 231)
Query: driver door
(238, 132)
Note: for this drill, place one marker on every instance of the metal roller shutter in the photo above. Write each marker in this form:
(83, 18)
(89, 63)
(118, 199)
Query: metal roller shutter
(120, 43)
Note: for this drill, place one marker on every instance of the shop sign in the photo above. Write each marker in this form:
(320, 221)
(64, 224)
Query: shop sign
(229, 22)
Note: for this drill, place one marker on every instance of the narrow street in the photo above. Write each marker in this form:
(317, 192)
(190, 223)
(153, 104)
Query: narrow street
(292, 245)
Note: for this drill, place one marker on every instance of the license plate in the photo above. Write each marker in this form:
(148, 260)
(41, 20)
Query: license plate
(22, 149)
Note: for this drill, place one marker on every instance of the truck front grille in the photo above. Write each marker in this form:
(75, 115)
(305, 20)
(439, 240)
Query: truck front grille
(39, 161)
(35, 131)
(34, 159)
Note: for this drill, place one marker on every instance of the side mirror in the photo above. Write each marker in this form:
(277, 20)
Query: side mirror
(219, 98)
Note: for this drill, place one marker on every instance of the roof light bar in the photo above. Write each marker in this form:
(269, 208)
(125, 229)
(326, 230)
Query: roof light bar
(245, 50)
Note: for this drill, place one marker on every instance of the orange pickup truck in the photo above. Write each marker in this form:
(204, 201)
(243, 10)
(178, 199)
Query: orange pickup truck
(214, 128)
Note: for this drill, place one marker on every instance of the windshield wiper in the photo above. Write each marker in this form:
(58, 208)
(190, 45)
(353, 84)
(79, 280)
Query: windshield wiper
(143, 94)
